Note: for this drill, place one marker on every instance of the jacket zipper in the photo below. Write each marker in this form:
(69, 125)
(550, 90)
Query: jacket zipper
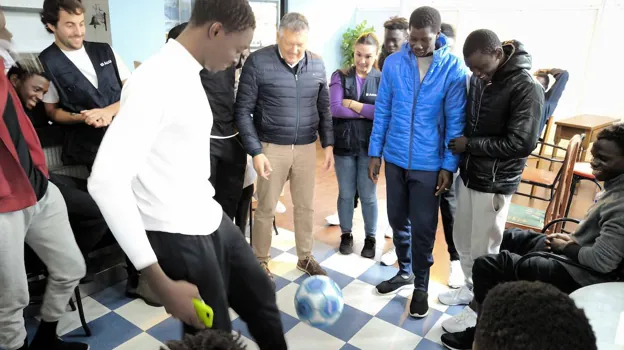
(474, 127)
(297, 91)
(416, 93)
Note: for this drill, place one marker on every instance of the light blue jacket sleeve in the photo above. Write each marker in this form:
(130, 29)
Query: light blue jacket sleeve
(454, 115)
(383, 113)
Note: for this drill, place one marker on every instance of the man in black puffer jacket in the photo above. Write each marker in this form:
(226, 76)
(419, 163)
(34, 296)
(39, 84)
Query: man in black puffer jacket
(284, 88)
(504, 111)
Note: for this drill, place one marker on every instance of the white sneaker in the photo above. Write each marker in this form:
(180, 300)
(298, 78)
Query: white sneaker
(460, 322)
(389, 257)
(461, 296)
(456, 276)
(333, 220)
(280, 208)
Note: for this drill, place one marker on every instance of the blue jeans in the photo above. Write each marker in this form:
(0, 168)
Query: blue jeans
(352, 174)
(413, 216)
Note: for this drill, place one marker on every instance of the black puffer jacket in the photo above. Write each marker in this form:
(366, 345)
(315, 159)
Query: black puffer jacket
(289, 106)
(502, 123)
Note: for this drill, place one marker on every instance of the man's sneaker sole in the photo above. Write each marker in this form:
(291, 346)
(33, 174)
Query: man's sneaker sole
(408, 286)
(455, 303)
(448, 347)
(419, 315)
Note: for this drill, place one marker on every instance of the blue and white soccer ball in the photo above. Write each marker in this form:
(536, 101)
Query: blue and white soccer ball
(319, 301)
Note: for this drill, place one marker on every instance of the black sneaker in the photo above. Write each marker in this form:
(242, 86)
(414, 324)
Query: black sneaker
(346, 244)
(459, 341)
(46, 339)
(369, 248)
(395, 284)
(419, 307)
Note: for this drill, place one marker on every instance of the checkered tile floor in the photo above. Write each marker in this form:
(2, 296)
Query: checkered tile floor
(369, 321)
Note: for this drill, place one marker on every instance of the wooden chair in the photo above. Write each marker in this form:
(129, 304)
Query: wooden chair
(534, 219)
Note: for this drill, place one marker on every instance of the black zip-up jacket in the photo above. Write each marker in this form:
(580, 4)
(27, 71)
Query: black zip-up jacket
(282, 105)
(502, 123)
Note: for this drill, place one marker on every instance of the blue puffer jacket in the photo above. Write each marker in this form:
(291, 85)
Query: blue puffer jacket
(415, 121)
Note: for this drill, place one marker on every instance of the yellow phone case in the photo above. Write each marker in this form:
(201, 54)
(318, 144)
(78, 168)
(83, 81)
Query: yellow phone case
(204, 312)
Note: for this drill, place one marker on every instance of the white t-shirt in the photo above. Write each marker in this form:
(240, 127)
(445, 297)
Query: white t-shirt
(81, 60)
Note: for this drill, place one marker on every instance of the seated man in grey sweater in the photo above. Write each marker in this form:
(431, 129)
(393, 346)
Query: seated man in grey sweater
(597, 243)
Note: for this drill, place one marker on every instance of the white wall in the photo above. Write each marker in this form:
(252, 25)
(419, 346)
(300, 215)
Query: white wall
(328, 19)
(29, 34)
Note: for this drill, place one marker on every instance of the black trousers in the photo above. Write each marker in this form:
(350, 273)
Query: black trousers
(490, 270)
(224, 268)
(448, 206)
(242, 212)
(85, 217)
(228, 161)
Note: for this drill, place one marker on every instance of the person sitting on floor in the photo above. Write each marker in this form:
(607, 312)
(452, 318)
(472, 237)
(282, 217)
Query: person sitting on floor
(519, 316)
(597, 243)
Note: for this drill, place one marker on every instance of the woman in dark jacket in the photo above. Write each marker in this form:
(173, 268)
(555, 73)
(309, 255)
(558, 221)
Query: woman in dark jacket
(352, 94)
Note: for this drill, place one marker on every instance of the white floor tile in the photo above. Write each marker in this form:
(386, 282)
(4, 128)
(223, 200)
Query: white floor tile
(250, 344)
(284, 241)
(436, 331)
(305, 337)
(351, 265)
(378, 334)
(233, 315)
(363, 297)
(71, 320)
(141, 314)
(140, 342)
(286, 299)
(285, 266)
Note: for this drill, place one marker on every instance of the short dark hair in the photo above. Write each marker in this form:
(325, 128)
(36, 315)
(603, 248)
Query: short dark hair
(426, 17)
(532, 316)
(175, 31)
(51, 9)
(447, 30)
(614, 133)
(208, 339)
(25, 69)
(234, 15)
(483, 40)
(396, 23)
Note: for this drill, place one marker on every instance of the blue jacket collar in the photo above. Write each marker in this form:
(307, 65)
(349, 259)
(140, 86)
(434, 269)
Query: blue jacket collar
(442, 49)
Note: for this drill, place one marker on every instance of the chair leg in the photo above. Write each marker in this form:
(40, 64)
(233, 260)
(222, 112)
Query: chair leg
(275, 227)
(575, 181)
(85, 326)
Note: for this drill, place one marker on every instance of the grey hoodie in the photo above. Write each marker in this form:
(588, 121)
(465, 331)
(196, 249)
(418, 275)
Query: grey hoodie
(600, 237)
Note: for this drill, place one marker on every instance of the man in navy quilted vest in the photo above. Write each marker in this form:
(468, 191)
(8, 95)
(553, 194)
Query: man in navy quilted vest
(85, 88)
(419, 109)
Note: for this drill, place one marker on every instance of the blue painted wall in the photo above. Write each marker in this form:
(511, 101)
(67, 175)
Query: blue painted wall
(137, 28)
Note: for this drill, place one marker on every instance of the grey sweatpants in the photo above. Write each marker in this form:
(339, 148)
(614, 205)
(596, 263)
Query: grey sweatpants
(45, 228)
(479, 224)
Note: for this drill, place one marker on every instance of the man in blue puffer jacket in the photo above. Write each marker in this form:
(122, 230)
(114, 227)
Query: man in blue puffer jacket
(420, 107)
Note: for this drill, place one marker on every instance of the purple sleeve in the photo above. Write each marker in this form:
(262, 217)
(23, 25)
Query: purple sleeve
(336, 95)
(368, 111)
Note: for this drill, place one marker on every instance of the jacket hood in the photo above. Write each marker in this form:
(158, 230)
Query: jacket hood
(517, 59)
